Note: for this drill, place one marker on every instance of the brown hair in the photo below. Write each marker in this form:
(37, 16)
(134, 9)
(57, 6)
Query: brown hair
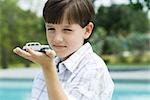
(75, 11)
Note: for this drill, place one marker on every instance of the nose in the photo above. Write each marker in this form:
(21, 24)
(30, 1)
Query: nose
(58, 38)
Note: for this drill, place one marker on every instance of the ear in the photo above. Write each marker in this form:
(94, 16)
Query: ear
(88, 30)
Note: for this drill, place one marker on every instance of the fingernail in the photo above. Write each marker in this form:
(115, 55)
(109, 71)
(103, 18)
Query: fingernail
(14, 50)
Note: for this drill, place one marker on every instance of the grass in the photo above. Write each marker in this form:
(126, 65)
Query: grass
(111, 66)
(128, 66)
(21, 65)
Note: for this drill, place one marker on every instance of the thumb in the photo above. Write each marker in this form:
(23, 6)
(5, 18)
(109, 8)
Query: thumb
(50, 53)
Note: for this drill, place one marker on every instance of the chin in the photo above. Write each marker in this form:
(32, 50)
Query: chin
(63, 57)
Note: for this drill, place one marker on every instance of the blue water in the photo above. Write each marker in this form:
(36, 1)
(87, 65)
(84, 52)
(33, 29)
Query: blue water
(21, 90)
(15, 89)
(132, 91)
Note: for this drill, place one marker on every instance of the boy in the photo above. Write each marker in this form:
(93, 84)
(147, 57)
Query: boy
(77, 73)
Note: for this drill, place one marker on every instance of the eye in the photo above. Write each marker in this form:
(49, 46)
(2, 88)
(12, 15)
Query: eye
(50, 29)
(67, 29)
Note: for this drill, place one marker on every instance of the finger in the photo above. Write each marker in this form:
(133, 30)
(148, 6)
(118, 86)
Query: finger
(21, 53)
(50, 53)
(32, 52)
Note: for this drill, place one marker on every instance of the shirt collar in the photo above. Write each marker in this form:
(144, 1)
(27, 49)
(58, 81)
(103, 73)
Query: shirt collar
(72, 62)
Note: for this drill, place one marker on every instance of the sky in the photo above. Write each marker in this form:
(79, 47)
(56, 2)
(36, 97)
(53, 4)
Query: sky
(33, 5)
(108, 2)
(37, 5)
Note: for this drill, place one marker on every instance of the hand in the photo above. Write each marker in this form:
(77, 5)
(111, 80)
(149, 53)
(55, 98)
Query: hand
(44, 59)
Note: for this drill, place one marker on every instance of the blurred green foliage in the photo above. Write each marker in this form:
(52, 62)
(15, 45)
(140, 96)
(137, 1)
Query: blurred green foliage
(119, 29)
(16, 28)
(122, 34)
(122, 20)
(132, 59)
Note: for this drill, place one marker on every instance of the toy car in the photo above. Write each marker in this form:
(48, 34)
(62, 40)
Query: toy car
(36, 46)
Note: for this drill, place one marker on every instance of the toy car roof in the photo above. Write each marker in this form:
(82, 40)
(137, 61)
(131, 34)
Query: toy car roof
(33, 43)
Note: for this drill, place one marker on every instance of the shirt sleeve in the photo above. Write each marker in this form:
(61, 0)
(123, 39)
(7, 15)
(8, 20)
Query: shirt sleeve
(90, 84)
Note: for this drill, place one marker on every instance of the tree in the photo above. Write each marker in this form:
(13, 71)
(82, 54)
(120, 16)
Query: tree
(117, 22)
(140, 4)
(121, 19)
(16, 28)
(5, 26)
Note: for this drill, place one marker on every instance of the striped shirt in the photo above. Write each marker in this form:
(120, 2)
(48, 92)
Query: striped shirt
(83, 76)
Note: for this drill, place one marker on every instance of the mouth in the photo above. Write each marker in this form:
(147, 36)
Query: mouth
(59, 46)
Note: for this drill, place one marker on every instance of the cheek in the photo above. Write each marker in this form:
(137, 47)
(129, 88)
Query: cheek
(75, 41)
(49, 38)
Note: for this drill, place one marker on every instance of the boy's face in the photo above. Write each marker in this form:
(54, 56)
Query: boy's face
(65, 38)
